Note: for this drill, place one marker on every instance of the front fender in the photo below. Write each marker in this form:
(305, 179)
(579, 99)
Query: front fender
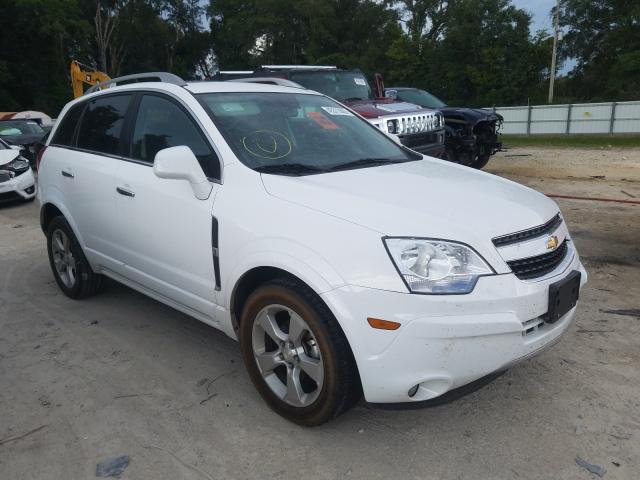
(290, 256)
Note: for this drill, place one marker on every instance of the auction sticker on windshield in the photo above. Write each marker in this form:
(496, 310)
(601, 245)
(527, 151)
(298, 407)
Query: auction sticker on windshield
(337, 111)
(323, 121)
(360, 81)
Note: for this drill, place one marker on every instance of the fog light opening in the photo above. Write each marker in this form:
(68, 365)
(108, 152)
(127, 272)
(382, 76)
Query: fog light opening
(413, 390)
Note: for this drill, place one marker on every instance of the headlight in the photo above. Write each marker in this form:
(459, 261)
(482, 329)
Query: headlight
(17, 166)
(436, 266)
(391, 126)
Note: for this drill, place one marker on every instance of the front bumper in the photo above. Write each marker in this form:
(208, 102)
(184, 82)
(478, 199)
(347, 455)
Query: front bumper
(427, 143)
(433, 150)
(22, 187)
(446, 341)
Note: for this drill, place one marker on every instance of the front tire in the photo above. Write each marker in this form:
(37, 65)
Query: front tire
(70, 267)
(296, 353)
(481, 161)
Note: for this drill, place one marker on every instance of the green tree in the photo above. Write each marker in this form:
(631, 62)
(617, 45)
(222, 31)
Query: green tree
(486, 55)
(604, 37)
(39, 37)
(349, 33)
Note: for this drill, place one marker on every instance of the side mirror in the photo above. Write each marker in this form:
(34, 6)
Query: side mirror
(179, 163)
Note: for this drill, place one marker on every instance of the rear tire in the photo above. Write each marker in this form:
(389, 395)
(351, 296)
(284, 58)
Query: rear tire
(70, 267)
(296, 354)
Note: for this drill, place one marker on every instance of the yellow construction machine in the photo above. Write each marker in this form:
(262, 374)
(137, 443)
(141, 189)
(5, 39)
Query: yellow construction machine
(82, 75)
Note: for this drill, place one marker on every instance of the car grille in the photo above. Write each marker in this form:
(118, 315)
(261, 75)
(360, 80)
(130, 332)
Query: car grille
(534, 267)
(528, 234)
(5, 176)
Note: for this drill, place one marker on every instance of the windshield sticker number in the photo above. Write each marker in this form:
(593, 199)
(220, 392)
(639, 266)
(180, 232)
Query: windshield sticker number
(267, 144)
(323, 121)
(337, 111)
(360, 81)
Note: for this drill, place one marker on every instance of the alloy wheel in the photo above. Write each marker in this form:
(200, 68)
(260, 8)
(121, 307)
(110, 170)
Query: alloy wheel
(287, 355)
(63, 259)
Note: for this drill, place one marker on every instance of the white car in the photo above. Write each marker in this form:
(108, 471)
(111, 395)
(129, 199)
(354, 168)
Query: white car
(345, 264)
(16, 177)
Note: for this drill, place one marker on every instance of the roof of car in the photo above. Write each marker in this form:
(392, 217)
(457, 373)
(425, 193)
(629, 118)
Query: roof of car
(197, 87)
(237, 86)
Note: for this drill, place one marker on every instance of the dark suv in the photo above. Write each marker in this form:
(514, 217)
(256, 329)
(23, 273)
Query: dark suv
(472, 134)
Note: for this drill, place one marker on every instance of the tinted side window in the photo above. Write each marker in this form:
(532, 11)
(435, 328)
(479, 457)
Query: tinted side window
(64, 133)
(102, 124)
(162, 124)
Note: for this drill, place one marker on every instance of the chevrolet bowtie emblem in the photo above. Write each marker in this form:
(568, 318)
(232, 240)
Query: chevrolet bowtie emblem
(552, 242)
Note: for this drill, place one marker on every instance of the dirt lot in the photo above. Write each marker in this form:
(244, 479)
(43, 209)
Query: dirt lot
(123, 374)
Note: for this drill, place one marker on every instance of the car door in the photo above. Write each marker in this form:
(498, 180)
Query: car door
(165, 232)
(87, 172)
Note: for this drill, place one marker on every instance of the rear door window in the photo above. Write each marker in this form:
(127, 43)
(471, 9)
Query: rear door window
(102, 123)
(64, 133)
(161, 124)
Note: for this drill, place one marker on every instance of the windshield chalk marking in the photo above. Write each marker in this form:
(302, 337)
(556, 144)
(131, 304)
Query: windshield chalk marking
(252, 141)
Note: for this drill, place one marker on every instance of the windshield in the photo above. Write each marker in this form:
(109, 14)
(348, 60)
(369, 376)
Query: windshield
(298, 134)
(335, 84)
(9, 128)
(420, 97)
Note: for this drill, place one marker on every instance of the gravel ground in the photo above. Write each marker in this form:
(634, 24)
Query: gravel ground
(119, 373)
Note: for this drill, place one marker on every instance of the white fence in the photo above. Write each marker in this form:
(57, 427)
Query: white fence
(611, 117)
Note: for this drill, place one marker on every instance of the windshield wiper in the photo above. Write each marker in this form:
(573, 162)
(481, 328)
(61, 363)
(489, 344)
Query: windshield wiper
(365, 162)
(293, 168)
(352, 99)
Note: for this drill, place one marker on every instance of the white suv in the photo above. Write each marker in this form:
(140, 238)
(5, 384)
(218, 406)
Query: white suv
(344, 263)
(17, 181)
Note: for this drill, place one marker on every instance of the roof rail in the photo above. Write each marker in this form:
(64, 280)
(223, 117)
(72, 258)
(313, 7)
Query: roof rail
(140, 77)
(283, 82)
(301, 67)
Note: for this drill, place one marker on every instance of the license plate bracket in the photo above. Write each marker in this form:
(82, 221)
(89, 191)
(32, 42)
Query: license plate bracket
(563, 296)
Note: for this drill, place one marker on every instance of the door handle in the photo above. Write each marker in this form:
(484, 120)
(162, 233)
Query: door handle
(68, 174)
(125, 192)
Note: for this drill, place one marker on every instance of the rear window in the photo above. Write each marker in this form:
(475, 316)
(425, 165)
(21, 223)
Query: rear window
(102, 124)
(64, 133)
(339, 84)
(12, 128)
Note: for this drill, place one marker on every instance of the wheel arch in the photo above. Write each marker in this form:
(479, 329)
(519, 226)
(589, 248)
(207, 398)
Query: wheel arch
(259, 275)
(253, 278)
(52, 205)
(48, 212)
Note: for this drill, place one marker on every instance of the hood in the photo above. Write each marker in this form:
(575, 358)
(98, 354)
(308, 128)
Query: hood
(427, 198)
(383, 106)
(8, 155)
(470, 115)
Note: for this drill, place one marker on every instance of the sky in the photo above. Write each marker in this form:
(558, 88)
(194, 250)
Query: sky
(540, 10)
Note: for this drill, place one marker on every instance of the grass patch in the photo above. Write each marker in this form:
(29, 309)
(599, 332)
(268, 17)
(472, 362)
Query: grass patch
(584, 141)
